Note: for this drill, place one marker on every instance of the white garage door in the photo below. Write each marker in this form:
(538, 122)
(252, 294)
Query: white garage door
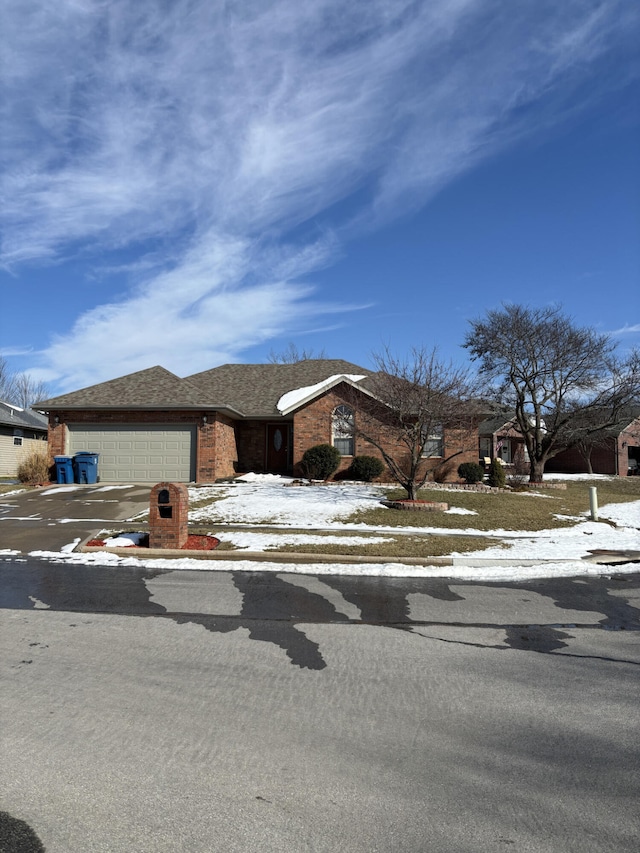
(138, 454)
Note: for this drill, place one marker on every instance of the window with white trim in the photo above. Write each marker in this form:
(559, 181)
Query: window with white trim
(434, 444)
(342, 423)
(17, 437)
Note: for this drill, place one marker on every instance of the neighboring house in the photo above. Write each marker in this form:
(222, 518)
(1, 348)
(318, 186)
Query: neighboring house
(21, 430)
(617, 452)
(499, 438)
(151, 425)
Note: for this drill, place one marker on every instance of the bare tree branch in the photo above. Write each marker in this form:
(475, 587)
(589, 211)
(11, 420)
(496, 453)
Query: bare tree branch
(420, 416)
(19, 388)
(564, 382)
(292, 355)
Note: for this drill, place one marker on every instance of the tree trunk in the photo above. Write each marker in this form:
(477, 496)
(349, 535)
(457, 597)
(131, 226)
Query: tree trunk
(536, 470)
(412, 492)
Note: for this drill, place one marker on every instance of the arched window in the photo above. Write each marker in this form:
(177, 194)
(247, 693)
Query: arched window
(342, 424)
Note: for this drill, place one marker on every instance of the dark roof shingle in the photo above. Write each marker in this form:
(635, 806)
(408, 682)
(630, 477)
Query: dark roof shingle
(11, 415)
(252, 390)
(154, 387)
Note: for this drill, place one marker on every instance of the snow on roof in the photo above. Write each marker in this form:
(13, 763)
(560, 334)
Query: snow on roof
(292, 399)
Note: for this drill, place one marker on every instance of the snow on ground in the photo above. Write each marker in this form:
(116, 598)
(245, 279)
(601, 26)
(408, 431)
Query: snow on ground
(125, 540)
(262, 498)
(462, 571)
(272, 500)
(56, 490)
(247, 541)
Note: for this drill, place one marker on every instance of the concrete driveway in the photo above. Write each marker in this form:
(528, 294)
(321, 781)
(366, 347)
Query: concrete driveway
(50, 518)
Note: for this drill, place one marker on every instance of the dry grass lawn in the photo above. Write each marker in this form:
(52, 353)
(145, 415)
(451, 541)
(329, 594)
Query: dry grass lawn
(506, 510)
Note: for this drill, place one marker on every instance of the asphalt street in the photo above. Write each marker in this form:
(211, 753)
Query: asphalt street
(146, 710)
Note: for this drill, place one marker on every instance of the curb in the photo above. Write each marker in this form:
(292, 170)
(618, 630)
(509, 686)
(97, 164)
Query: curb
(287, 557)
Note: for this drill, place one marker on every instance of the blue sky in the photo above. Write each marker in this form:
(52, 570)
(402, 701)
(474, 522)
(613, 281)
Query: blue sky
(192, 182)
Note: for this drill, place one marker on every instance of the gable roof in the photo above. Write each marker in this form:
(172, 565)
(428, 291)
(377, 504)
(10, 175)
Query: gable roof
(498, 423)
(255, 389)
(245, 390)
(151, 388)
(14, 416)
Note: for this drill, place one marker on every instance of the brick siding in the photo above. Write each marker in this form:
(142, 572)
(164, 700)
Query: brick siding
(312, 425)
(252, 442)
(168, 521)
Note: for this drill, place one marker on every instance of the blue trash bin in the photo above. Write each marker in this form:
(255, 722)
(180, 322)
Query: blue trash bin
(64, 469)
(86, 467)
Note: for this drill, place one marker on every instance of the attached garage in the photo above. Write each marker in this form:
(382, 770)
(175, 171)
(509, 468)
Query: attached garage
(138, 453)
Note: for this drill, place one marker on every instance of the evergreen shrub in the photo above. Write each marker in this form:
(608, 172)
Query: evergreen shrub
(497, 475)
(319, 462)
(366, 468)
(471, 472)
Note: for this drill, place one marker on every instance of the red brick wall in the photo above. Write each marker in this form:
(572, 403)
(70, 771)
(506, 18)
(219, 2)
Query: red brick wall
(603, 461)
(312, 425)
(216, 454)
(168, 521)
(57, 437)
(251, 439)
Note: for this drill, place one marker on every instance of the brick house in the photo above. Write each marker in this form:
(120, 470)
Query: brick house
(151, 425)
(616, 453)
(499, 438)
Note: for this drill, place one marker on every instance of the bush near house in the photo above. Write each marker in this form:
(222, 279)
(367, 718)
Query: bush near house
(471, 472)
(35, 468)
(366, 468)
(497, 475)
(319, 462)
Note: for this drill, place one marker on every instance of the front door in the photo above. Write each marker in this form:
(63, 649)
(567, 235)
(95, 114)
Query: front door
(278, 441)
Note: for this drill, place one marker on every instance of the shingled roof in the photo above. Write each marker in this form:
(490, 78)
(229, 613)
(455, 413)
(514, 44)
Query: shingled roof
(254, 389)
(151, 388)
(14, 416)
(249, 390)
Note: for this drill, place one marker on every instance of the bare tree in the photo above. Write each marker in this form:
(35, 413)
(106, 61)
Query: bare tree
(565, 383)
(7, 381)
(29, 390)
(292, 355)
(419, 417)
(20, 388)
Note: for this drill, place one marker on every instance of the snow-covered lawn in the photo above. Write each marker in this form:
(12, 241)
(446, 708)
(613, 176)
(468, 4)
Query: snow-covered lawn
(319, 509)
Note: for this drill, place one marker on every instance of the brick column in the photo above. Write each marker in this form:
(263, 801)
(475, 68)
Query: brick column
(168, 515)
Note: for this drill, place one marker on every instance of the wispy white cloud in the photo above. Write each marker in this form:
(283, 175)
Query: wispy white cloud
(219, 128)
(627, 330)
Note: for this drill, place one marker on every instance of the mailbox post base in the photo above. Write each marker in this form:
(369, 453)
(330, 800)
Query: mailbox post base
(168, 515)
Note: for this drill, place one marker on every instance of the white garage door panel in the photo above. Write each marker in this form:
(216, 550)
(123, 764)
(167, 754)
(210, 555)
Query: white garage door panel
(141, 454)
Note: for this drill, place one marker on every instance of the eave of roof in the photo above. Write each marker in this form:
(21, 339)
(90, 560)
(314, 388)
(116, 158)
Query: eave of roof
(11, 415)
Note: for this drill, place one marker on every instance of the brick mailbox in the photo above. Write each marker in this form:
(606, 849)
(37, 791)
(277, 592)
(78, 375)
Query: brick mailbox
(168, 511)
